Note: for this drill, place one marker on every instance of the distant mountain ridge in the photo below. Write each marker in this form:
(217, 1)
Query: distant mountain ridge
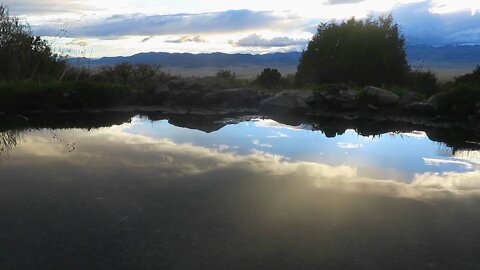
(418, 56)
(189, 60)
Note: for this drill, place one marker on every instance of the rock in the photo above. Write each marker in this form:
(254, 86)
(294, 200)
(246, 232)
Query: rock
(161, 89)
(372, 107)
(382, 97)
(284, 101)
(240, 97)
(407, 99)
(307, 95)
(185, 99)
(184, 84)
(422, 108)
(436, 100)
(341, 99)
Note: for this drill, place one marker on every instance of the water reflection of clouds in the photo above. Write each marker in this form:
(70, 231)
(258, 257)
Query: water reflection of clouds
(345, 145)
(438, 162)
(112, 151)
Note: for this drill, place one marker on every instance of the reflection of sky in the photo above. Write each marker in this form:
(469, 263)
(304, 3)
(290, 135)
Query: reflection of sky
(391, 156)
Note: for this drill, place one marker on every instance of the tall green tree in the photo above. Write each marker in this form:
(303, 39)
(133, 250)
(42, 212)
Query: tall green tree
(370, 51)
(24, 56)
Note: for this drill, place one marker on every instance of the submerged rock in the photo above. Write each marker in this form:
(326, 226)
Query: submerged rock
(381, 96)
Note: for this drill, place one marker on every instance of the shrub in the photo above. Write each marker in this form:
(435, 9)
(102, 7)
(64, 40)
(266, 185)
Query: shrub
(226, 74)
(24, 56)
(270, 79)
(423, 82)
(31, 95)
(362, 52)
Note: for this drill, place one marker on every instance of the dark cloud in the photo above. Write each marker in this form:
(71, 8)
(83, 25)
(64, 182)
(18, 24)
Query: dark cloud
(338, 2)
(175, 24)
(23, 7)
(196, 39)
(259, 41)
(423, 27)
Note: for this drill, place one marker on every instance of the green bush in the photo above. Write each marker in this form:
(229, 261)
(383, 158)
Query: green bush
(423, 82)
(24, 56)
(270, 79)
(361, 52)
(461, 97)
(29, 95)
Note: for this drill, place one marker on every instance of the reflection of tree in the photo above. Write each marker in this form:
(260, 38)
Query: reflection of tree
(9, 140)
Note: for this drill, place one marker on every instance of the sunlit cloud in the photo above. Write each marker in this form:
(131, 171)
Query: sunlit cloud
(259, 144)
(345, 145)
(278, 135)
(438, 162)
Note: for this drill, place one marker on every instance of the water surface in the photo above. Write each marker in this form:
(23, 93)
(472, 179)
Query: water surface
(255, 194)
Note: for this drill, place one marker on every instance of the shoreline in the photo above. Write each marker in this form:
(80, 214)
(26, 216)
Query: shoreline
(455, 134)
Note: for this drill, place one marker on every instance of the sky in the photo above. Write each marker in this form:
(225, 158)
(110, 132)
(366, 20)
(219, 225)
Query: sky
(124, 27)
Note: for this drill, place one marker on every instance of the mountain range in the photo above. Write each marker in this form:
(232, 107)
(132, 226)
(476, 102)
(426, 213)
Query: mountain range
(457, 59)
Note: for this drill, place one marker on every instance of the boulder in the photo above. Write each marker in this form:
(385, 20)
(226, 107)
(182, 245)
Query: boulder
(161, 89)
(284, 101)
(341, 99)
(185, 84)
(240, 97)
(408, 98)
(436, 100)
(307, 95)
(421, 108)
(381, 96)
(185, 99)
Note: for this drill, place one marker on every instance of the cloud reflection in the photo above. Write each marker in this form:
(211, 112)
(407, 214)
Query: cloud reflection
(112, 151)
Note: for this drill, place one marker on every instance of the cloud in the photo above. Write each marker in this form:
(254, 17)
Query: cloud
(439, 162)
(103, 152)
(174, 24)
(344, 145)
(185, 39)
(255, 40)
(421, 26)
(265, 145)
(278, 135)
(339, 2)
(23, 7)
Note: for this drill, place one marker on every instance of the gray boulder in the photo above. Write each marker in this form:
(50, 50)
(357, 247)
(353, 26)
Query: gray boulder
(436, 100)
(284, 101)
(408, 98)
(240, 97)
(306, 95)
(421, 108)
(381, 96)
(341, 99)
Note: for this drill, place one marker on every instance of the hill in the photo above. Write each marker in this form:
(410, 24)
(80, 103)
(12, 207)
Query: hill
(448, 61)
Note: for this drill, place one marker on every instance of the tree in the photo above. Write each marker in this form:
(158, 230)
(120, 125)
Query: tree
(23, 55)
(364, 52)
(269, 78)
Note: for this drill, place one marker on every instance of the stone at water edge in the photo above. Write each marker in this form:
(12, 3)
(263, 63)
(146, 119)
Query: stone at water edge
(284, 101)
(382, 97)
(422, 108)
(237, 97)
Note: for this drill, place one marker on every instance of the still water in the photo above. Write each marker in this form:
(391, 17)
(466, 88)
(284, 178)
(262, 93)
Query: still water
(255, 194)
